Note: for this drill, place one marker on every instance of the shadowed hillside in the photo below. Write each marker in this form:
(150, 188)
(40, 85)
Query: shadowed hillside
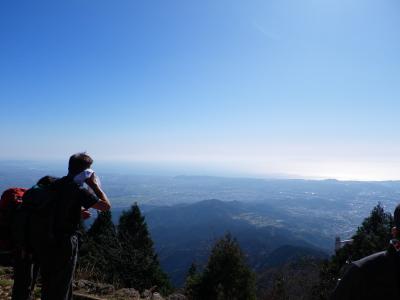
(184, 234)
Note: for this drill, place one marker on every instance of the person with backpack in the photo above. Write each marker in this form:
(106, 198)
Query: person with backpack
(10, 200)
(26, 270)
(376, 276)
(53, 226)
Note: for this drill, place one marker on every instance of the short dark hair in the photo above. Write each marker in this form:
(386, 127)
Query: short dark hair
(79, 162)
(47, 180)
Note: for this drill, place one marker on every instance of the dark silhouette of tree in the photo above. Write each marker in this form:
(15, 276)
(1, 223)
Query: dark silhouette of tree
(101, 250)
(372, 236)
(192, 270)
(293, 280)
(278, 290)
(192, 283)
(138, 266)
(102, 227)
(226, 275)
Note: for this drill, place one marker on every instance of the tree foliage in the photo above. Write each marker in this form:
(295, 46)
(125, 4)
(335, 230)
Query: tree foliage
(226, 275)
(138, 265)
(100, 250)
(372, 236)
(293, 280)
(123, 256)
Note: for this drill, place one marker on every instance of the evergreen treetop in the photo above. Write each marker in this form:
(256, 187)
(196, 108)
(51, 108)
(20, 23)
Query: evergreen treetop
(102, 227)
(226, 275)
(372, 236)
(100, 250)
(132, 229)
(138, 265)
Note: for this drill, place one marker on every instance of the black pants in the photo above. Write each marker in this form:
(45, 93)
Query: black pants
(25, 275)
(57, 266)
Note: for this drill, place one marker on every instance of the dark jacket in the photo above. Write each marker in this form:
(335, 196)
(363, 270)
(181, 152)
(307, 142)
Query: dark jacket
(373, 277)
(71, 198)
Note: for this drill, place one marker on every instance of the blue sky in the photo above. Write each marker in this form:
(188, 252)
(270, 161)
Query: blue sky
(303, 88)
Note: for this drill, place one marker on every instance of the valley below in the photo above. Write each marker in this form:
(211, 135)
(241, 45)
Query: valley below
(274, 220)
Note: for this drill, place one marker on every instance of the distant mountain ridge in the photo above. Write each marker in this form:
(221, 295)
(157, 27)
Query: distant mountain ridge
(310, 211)
(184, 234)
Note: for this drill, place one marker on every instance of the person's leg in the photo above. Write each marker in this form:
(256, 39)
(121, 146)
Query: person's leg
(57, 272)
(70, 270)
(35, 275)
(24, 279)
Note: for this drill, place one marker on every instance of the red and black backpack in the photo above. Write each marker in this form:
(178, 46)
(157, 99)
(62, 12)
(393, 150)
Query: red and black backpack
(10, 200)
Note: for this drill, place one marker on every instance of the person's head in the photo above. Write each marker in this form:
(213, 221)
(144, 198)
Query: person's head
(46, 180)
(78, 163)
(396, 219)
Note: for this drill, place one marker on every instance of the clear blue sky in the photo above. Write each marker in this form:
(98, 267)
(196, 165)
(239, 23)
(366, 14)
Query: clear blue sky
(307, 88)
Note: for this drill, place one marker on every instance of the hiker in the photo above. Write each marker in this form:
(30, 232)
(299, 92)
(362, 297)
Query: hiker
(55, 251)
(10, 200)
(376, 276)
(25, 270)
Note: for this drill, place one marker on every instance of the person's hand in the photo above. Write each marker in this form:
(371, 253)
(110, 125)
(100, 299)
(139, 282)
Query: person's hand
(85, 214)
(103, 204)
(91, 181)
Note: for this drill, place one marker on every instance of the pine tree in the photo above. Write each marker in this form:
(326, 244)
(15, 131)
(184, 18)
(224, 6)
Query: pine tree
(102, 228)
(278, 290)
(192, 270)
(192, 283)
(372, 236)
(139, 266)
(100, 251)
(226, 275)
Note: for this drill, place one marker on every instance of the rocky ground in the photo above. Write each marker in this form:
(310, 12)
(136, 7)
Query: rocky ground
(5, 283)
(84, 289)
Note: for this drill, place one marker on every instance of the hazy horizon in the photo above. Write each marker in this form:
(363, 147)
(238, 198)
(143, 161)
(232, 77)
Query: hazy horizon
(163, 169)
